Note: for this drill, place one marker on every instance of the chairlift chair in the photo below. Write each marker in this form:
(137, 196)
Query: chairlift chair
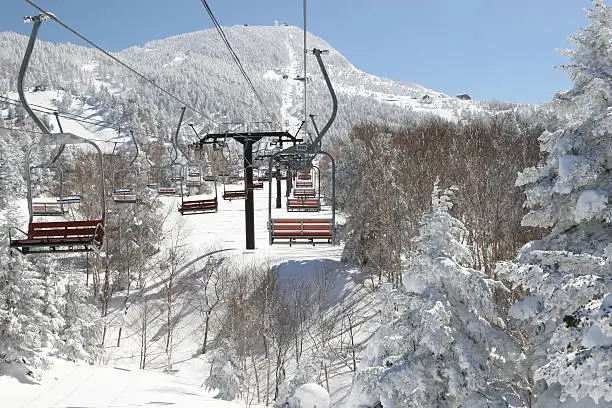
(190, 206)
(176, 172)
(305, 230)
(193, 177)
(257, 184)
(152, 177)
(50, 206)
(121, 193)
(209, 174)
(60, 236)
(167, 184)
(234, 193)
(56, 236)
(70, 199)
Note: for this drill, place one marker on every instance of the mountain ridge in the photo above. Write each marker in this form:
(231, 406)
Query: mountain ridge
(196, 67)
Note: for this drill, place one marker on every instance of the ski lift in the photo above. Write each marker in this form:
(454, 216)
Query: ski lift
(196, 205)
(168, 177)
(50, 206)
(230, 194)
(210, 174)
(60, 236)
(56, 236)
(152, 173)
(70, 199)
(257, 184)
(176, 172)
(193, 176)
(122, 194)
(300, 157)
(152, 177)
(303, 230)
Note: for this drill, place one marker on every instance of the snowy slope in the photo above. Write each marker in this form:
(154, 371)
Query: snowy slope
(197, 68)
(121, 381)
(76, 385)
(103, 136)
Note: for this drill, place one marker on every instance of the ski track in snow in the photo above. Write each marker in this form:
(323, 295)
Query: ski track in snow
(289, 109)
(102, 136)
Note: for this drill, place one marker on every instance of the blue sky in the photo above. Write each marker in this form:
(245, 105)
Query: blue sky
(502, 50)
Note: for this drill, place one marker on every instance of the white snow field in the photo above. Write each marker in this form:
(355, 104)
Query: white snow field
(120, 383)
(73, 385)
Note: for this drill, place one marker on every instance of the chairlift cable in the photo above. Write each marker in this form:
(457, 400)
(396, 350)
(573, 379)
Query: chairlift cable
(136, 146)
(236, 59)
(117, 60)
(66, 115)
(11, 129)
(305, 76)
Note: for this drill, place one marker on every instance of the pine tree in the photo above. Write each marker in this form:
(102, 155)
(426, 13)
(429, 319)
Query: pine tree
(572, 187)
(24, 327)
(447, 347)
(226, 376)
(81, 334)
(11, 157)
(567, 273)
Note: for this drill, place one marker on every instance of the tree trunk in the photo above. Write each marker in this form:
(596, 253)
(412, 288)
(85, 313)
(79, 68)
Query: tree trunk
(256, 377)
(206, 322)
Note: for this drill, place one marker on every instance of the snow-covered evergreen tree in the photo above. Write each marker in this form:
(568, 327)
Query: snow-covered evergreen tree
(46, 269)
(447, 347)
(572, 187)
(226, 376)
(24, 327)
(568, 273)
(81, 334)
(11, 157)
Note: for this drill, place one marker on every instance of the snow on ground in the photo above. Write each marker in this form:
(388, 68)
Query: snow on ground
(310, 396)
(103, 136)
(291, 106)
(80, 385)
(272, 75)
(122, 384)
(438, 104)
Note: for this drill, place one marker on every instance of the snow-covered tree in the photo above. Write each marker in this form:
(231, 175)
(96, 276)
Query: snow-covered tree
(24, 327)
(82, 331)
(447, 347)
(568, 273)
(11, 157)
(572, 187)
(226, 376)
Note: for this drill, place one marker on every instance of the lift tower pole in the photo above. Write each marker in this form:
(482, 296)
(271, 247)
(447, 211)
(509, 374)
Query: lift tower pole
(249, 207)
(247, 139)
(305, 74)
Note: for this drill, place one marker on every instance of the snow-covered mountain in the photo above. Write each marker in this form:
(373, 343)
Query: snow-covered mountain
(198, 68)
